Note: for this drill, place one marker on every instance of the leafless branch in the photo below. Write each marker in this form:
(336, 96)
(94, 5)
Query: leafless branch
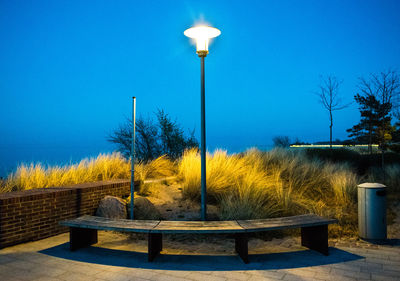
(328, 95)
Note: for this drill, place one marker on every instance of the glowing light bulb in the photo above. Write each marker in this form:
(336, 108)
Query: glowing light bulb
(202, 35)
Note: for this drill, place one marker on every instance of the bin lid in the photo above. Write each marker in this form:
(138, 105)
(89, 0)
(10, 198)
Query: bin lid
(371, 185)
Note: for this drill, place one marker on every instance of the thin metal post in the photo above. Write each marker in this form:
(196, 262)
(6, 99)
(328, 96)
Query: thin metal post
(203, 146)
(133, 155)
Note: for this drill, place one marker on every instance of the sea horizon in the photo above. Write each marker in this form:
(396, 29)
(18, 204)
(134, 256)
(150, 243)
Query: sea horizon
(62, 154)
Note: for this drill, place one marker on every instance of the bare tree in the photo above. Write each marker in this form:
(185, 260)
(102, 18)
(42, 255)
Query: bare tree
(384, 86)
(328, 96)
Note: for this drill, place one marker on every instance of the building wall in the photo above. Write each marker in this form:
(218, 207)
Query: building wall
(34, 214)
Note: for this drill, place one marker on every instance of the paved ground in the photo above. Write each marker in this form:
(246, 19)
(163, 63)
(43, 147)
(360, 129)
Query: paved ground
(118, 258)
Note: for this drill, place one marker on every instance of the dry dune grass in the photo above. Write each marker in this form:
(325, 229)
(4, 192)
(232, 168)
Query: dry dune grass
(249, 185)
(257, 184)
(158, 168)
(103, 167)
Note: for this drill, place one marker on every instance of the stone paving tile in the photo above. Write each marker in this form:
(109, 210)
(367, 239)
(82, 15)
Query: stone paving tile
(384, 261)
(392, 268)
(176, 273)
(350, 273)
(268, 274)
(291, 277)
(140, 273)
(390, 273)
(300, 272)
(369, 269)
(22, 264)
(5, 259)
(21, 274)
(383, 277)
(324, 276)
(369, 264)
(342, 278)
(73, 276)
(107, 275)
(45, 278)
(131, 279)
(346, 266)
(121, 277)
(51, 272)
(320, 268)
(198, 276)
(232, 275)
(6, 277)
(394, 274)
(384, 251)
(3, 268)
(257, 278)
(395, 258)
(27, 262)
(166, 277)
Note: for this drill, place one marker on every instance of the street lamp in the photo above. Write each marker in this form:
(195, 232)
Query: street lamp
(202, 35)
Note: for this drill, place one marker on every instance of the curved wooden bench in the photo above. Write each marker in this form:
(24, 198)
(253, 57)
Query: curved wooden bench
(314, 230)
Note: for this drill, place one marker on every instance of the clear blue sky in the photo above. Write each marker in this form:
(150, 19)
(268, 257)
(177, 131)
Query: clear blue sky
(68, 69)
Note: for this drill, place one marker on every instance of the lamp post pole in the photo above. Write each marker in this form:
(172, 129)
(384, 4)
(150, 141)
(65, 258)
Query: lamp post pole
(203, 144)
(202, 35)
(133, 155)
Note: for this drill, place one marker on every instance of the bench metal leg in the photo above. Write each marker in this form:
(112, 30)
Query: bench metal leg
(154, 245)
(315, 238)
(81, 237)
(241, 246)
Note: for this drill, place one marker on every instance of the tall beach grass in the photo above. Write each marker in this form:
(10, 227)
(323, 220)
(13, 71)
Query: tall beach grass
(103, 167)
(249, 185)
(280, 182)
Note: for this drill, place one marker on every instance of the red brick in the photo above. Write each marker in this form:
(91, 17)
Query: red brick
(34, 214)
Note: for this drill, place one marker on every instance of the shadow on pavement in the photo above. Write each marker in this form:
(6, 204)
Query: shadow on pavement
(297, 259)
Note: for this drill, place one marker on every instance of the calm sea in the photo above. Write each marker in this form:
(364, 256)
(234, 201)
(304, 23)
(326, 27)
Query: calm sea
(13, 155)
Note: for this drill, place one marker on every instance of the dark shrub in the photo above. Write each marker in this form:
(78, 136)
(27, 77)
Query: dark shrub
(360, 162)
(334, 155)
(394, 147)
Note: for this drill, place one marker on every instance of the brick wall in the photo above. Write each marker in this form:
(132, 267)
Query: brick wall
(34, 214)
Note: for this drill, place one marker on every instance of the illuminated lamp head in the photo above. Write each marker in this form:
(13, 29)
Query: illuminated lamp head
(202, 34)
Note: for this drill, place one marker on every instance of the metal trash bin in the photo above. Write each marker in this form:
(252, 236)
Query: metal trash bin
(372, 211)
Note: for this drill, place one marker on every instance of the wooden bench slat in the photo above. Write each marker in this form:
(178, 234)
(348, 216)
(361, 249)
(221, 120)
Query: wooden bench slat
(314, 230)
(198, 227)
(284, 223)
(157, 226)
(122, 225)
